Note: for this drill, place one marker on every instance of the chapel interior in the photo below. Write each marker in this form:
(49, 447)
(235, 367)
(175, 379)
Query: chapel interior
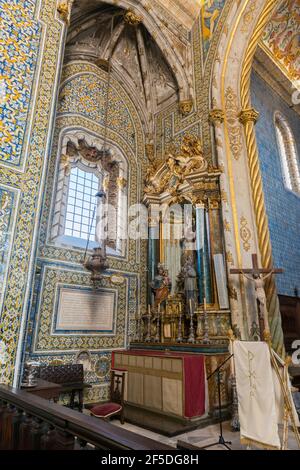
(149, 218)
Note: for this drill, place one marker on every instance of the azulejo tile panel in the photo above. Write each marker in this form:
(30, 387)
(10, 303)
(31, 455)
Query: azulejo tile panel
(30, 185)
(19, 46)
(85, 95)
(283, 206)
(8, 200)
(45, 341)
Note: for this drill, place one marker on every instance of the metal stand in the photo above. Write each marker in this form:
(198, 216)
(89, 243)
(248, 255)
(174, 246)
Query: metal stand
(221, 440)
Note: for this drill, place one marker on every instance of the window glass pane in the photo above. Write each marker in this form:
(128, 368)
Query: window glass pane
(72, 201)
(80, 204)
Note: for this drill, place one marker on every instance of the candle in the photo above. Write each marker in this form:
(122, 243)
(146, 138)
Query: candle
(149, 309)
(180, 308)
(158, 309)
(191, 309)
(204, 303)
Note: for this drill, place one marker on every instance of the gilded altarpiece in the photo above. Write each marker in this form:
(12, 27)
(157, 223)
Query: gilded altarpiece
(187, 295)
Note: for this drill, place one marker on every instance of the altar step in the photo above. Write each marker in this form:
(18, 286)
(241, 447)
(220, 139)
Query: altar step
(168, 425)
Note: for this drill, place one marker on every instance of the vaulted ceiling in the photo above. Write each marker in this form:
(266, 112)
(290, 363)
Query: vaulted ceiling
(156, 70)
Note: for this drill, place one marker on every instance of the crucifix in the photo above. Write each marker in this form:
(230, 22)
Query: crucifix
(258, 276)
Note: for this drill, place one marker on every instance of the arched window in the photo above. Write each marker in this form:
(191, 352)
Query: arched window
(80, 219)
(83, 171)
(288, 153)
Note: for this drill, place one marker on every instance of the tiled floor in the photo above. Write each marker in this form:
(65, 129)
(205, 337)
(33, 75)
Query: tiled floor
(202, 437)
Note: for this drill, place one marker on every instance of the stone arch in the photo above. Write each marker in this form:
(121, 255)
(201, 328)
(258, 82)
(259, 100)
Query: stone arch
(246, 223)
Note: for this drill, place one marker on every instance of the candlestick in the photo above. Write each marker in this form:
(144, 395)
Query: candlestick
(179, 337)
(192, 334)
(206, 339)
(157, 336)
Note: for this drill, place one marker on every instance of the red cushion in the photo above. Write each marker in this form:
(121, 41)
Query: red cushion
(106, 410)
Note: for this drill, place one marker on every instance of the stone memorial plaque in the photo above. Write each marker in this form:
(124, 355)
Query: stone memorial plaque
(85, 310)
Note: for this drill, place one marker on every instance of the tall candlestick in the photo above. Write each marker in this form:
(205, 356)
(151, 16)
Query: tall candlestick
(191, 338)
(206, 339)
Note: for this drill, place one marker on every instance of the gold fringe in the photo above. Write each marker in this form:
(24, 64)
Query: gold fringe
(250, 442)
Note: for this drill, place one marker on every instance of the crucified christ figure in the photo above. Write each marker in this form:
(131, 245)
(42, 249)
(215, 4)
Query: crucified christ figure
(259, 282)
(258, 276)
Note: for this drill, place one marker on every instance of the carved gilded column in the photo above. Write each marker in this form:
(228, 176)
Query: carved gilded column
(248, 117)
(217, 118)
(153, 248)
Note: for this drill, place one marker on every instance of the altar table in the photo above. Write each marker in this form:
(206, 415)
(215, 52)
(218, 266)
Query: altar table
(168, 382)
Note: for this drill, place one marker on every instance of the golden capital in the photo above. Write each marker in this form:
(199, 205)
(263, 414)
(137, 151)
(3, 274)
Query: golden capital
(132, 18)
(121, 182)
(213, 204)
(200, 204)
(216, 116)
(186, 107)
(248, 115)
(64, 9)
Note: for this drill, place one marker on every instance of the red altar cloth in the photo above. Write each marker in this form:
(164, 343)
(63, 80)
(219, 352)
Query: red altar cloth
(194, 378)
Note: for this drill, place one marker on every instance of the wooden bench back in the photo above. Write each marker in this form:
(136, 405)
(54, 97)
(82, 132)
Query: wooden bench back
(62, 374)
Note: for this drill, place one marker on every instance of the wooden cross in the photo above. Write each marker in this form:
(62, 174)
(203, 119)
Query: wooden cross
(256, 272)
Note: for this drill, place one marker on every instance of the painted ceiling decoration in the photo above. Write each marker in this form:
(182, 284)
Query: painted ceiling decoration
(281, 38)
(210, 15)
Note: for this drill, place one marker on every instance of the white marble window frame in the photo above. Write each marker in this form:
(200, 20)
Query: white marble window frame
(289, 158)
(57, 234)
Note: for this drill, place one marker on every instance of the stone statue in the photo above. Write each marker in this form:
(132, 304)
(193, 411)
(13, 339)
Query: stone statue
(190, 280)
(161, 286)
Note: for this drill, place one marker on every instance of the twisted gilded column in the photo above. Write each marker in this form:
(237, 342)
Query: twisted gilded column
(248, 117)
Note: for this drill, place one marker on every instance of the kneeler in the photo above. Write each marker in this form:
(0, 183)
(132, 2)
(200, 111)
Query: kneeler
(116, 404)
